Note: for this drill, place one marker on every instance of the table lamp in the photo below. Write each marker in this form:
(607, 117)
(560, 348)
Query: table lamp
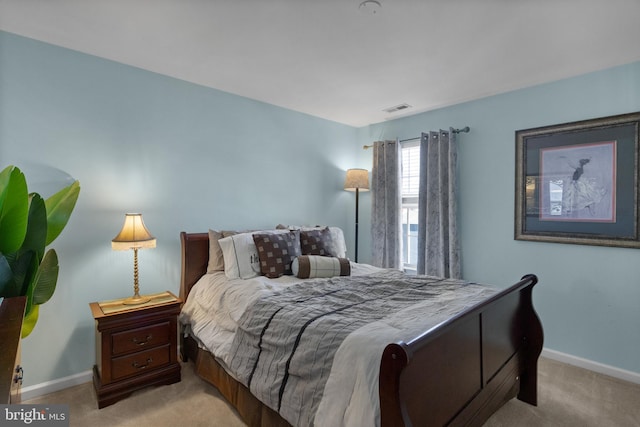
(134, 235)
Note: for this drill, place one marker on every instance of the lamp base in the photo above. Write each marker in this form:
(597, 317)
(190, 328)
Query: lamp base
(136, 300)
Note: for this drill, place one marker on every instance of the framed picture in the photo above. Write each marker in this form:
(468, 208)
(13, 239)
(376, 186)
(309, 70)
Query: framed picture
(578, 182)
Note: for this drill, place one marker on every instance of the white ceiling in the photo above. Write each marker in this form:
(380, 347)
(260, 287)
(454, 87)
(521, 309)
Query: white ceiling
(329, 59)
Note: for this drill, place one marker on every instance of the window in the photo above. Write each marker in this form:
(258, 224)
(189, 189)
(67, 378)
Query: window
(410, 182)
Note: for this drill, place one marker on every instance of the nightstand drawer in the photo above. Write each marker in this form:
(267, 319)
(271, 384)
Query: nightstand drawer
(142, 361)
(140, 338)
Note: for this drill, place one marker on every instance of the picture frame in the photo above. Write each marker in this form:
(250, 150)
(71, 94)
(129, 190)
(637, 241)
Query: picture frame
(577, 182)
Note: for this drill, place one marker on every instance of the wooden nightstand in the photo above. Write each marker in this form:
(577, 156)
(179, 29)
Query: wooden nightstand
(136, 346)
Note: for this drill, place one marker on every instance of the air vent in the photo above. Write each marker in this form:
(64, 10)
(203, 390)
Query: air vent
(397, 108)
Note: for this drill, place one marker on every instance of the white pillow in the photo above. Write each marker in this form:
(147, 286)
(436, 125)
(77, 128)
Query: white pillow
(240, 255)
(216, 259)
(337, 236)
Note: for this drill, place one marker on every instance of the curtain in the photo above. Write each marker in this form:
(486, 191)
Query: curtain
(438, 247)
(386, 228)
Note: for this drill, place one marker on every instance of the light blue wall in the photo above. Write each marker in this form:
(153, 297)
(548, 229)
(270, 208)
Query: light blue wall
(588, 296)
(190, 158)
(186, 157)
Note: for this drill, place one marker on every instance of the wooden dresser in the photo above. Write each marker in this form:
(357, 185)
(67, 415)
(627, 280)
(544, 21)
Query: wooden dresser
(11, 317)
(136, 347)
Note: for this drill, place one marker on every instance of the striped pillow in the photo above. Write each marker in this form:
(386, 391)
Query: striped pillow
(311, 266)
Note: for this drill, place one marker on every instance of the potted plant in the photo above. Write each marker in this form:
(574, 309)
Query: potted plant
(28, 224)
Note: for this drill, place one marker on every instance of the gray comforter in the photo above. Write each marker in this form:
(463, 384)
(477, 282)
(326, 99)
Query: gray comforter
(285, 343)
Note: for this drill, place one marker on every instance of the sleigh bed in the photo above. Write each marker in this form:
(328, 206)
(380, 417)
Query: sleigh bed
(457, 372)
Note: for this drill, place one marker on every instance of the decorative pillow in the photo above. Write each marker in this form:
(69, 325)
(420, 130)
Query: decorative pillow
(276, 251)
(216, 258)
(240, 256)
(317, 242)
(310, 266)
(339, 246)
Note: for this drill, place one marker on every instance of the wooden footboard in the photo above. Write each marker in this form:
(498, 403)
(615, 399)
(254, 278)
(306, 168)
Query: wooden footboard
(457, 373)
(461, 371)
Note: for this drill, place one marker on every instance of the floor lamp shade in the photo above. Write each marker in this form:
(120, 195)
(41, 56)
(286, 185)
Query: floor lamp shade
(357, 180)
(134, 235)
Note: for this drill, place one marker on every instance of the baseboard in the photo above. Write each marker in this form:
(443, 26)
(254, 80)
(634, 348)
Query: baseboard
(37, 390)
(633, 377)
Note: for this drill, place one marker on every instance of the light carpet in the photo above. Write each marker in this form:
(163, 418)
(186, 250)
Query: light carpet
(567, 396)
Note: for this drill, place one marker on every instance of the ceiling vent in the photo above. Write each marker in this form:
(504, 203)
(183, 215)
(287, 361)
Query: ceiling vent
(396, 108)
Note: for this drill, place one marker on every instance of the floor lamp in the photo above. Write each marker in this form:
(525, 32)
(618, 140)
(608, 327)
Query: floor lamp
(357, 180)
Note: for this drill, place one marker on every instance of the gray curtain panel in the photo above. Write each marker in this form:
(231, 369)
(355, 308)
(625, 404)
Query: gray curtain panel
(386, 199)
(438, 242)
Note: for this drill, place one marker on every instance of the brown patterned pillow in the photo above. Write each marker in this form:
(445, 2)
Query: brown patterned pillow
(317, 242)
(276, 251)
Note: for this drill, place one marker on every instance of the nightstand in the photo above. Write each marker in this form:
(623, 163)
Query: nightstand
(136, 346)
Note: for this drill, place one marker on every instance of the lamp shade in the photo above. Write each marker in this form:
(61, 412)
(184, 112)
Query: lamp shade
(134, 235)
(357, 178)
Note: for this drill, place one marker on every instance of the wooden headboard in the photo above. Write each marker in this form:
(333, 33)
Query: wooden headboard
(195, 259)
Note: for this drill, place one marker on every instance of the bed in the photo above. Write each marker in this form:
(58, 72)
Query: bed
(456, 372)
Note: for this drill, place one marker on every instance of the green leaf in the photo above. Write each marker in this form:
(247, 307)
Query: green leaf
(36, 227)
(5, 176)
(24, 267)
(7, 284)
(26, 271)
(30, 320)
(59, 208)
(41, 288)
(46, 278)
(14, 205)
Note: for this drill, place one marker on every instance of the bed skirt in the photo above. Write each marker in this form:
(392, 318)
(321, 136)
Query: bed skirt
(251, 410)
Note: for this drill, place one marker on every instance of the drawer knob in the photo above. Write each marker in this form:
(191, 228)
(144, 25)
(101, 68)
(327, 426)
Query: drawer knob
(19, 375)
(142, 342)
(136, 365)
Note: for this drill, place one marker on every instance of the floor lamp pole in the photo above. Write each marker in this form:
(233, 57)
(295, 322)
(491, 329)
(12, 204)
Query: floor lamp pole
(357, 194)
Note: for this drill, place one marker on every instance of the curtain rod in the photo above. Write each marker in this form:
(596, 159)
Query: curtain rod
(465, 129)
